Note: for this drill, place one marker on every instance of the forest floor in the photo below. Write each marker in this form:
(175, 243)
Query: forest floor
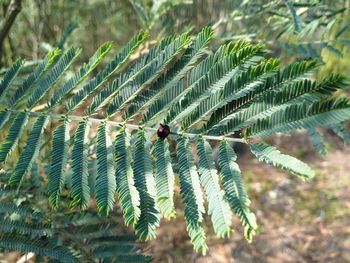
(298, 221)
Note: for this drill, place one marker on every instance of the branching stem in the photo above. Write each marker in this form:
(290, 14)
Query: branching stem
(133, 126)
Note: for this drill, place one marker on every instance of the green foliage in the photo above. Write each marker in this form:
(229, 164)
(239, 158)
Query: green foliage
(145, 185)
(271, 155)
(204, 96)
(218, 208)
(80, 186)
(82, 73)
(60, 147)
(299, 116)
(105, 180)
(49, 80)
(60, 236)
(234, 189)
(128, 195)
(192, 196)
(13, 136)
(34, 77)
(10, 76)
(30, 152)
(164, 177)
(317, 141)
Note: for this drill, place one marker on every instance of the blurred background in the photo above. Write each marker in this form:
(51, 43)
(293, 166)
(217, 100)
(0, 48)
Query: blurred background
(299, 222)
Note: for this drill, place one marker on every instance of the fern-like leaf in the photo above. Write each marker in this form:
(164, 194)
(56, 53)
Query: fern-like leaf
(127, 92)
(271, 101)
(4, 117)
(51, 78)
(292, 73)
(145, 184)
(191, 195)
(192, 54)
(214, 80)
(60, 147)
(139, 73)
(10, 75)
(21, 227)
(105, 181)
(244, 84)
(35, 77)
(173, 95)
(118, 61)
(128, 195)
(165, 178)
(341, 132)
(30, 152)
(8, 207)
(272, 156)
(13, 136)
(219, 209)
(83, 72)
(320, 113)
(38, 246)
(80, 186)
(317, 141)
(234, 189)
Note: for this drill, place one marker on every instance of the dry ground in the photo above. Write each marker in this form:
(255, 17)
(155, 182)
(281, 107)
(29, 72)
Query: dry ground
(299, 222)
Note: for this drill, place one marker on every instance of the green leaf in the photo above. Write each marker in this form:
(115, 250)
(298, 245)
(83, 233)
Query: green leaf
(4, 117)
(30, 152)
(296, 19)
(60, 147)
(317, 141)
(118, 61)
(219, 209)
(165, 178)
(46, 83)
(38, 246)
(215, 80)
(341, 132)
(272, 156)
(34, 77)
(191, 195)
(234, 189)
(21, 227)
(290, 74)
(145, 185)
(272, 101)
(10, 75)
(128, 195)
(80, 187)
(173, 94)
(21, 210)
(246, 83)
(126, 91)
(14, 134)
(82, 73)
(193, 53)
(105, 181)
(320, 113)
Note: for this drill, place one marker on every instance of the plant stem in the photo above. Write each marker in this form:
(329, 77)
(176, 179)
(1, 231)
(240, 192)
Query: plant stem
(134, 126)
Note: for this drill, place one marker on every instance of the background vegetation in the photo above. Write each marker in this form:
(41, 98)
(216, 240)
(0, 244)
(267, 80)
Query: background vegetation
(299, 221)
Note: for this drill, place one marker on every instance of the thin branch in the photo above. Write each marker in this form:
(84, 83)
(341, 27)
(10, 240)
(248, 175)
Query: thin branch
(12, 11)
(132, 126)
